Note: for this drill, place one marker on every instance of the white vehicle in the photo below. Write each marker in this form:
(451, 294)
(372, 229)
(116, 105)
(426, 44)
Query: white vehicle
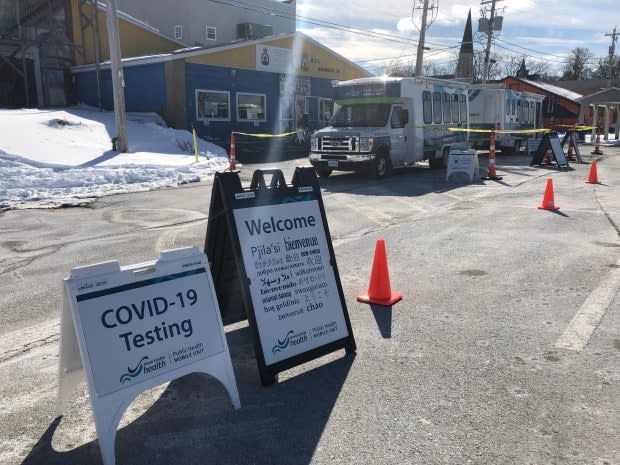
(382, 123)
(494, 106)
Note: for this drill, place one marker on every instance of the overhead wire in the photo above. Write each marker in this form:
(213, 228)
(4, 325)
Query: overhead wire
(318, 22)
(392, 37)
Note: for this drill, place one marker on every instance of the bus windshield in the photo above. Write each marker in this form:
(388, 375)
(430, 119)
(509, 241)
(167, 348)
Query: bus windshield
(367, 115)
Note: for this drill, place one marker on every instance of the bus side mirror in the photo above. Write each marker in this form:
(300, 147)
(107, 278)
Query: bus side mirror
(404, 117)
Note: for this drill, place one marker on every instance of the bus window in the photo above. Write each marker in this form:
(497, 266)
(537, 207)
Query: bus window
(446, 108)
(455, 108)
(427, 107)
(437, 107)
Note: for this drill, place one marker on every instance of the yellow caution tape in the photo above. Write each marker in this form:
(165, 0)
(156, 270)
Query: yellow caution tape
(576, 127)
(284, 134)
(522, 131)
(500, 131)
(468, 130)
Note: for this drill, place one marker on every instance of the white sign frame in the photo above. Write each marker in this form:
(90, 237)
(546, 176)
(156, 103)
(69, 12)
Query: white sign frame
(463, 161)
(99, 287)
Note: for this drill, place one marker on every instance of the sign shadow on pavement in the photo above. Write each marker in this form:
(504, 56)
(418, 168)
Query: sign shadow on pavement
(192, 422)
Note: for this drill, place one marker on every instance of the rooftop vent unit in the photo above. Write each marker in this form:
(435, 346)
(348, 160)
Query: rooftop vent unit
(250, 31)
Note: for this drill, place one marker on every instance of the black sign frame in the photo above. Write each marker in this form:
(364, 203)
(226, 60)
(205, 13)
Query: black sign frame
(550, 141)
(230, 277)
(572, 144)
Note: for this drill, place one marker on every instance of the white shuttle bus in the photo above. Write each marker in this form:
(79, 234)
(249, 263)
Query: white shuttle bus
(494, 106)
(383, 123)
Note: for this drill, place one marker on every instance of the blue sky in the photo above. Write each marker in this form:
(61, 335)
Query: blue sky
(539, 30)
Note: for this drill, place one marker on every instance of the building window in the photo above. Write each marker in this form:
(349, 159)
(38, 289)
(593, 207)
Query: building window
(211, 33)
(178, 32)
(251, 107)
(212, 105)
(427, 107)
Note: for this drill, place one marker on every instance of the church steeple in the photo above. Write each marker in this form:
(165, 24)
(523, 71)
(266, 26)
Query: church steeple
(465, 64)
(523, 72)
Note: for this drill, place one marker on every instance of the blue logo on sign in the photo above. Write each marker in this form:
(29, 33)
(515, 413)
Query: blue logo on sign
(134, 372)
(283, 344)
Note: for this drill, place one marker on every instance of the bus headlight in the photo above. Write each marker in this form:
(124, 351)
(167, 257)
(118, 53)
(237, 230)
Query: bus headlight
(366, 144)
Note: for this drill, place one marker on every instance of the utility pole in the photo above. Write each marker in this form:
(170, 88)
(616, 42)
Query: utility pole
(420, 56)
(487, 52)
(612, 51)
(419, 71)
(118, 82)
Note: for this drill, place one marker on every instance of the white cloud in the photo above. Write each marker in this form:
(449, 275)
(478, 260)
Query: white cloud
(537, 28)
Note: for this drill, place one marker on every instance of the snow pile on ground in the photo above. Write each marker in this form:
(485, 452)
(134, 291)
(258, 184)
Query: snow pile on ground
(54, 157)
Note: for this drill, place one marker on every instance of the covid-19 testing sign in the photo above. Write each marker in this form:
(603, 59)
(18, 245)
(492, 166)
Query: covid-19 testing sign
(133, 328)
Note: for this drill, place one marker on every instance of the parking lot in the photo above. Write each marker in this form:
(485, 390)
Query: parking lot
(504, 349)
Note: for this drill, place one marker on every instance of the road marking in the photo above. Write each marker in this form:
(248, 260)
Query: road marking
(579, 331)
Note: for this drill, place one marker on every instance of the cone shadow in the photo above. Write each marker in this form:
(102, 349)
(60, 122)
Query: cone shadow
(557, 212)
(383, 317)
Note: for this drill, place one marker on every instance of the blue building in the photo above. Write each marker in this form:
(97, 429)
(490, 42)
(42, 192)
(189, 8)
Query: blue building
(262, 90)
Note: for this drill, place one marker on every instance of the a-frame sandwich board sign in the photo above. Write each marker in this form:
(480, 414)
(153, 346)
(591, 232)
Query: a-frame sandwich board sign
(572, 145)
(273, 263)
(550, 141)
(135, 327)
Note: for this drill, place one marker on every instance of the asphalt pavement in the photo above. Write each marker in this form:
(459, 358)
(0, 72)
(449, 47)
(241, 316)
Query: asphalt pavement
(504, 350)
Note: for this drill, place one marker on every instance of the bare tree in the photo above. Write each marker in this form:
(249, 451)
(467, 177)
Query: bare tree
(494, 72)
(433, 69)
(400, 68)
(577, 65)
(512, 64)
(602, 71)
(541, 68)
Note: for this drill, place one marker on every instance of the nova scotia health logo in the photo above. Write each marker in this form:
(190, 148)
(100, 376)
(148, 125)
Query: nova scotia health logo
(291, 339)
(283, 344)
(133, 372)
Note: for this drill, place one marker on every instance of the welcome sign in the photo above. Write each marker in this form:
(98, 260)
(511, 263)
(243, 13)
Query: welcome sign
(273, 264)
(133, 328)
(292, 284)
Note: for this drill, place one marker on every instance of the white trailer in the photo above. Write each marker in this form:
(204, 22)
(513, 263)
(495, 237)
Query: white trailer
(494, 106)
(383, 123)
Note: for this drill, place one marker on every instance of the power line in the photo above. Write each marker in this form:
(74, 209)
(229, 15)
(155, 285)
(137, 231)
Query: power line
(317, 22)
(383, 36)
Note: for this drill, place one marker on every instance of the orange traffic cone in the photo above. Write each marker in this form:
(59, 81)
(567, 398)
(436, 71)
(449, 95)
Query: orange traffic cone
(597, 145)
(491, 173)
(548, 203)
(233, 152)
(379, 290)
(571, 142)
(593, 176)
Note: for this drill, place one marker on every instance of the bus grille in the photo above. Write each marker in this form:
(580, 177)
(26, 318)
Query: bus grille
(338, 144)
